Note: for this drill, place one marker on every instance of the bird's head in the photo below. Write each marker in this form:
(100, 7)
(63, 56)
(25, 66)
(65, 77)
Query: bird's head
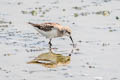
(67, 32)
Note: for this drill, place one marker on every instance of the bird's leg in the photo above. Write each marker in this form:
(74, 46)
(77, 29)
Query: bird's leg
(50, 43)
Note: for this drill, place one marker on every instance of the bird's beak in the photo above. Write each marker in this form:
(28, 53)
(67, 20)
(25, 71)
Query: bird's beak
(71, 40)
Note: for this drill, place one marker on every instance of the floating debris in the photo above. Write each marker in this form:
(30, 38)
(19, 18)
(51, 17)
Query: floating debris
(41, 15)
(47, 10)
(34, 50)
(106, 13)
(7, 54)
(105, 44)
(114, 78)
(111, 30)
(77, 8)
(34, 13)
(73, 22)
(43, 12)
(106, 0)
(3, 25)
(5, 22)
(117, 18)
(80, 41)
(85, 13)
(91, 66)
(118, 43)
(10, 22)
(24, 12)
(76, 15)
(68, 75)
(77, 49)
(19, 3)
(63, 9)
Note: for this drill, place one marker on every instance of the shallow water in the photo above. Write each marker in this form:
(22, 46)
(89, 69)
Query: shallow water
(95, 28)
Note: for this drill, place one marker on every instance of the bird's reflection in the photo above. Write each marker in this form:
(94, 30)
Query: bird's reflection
(51, 59)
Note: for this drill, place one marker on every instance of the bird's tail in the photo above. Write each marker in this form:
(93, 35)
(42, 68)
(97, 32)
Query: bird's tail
(31, 23)
(34, 25)
(32, 62)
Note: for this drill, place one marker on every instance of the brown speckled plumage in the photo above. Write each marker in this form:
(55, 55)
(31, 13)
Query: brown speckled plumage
(49, 26)
(45, 26)
(52, 30)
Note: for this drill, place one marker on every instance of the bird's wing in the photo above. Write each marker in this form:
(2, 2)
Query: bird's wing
(45, 26)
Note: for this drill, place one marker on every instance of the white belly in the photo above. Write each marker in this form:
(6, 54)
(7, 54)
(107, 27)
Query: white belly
(48, 34)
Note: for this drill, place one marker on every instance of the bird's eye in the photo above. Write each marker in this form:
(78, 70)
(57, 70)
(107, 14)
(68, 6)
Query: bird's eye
(68, 32)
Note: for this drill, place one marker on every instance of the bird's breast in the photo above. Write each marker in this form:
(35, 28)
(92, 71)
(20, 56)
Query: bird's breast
(48, 34)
